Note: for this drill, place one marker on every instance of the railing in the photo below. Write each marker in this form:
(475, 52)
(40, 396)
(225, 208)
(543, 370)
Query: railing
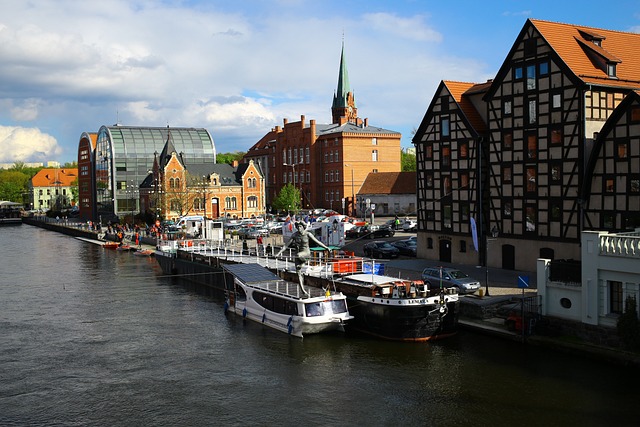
(624, 245)
(319, 266)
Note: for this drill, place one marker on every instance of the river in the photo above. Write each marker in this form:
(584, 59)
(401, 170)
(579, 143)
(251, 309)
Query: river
(90, 336)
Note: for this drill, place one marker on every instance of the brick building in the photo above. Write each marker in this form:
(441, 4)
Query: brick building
(327, 162)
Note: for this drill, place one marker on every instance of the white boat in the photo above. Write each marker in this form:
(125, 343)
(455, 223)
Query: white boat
(257, 294)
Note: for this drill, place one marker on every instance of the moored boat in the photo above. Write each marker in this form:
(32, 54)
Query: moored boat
(258, 294)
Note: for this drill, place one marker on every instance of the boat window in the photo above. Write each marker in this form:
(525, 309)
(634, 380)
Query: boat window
(338, 306)
(314, 309)
(275, 304)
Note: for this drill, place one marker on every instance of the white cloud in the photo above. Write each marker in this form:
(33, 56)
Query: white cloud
(410, 28)
(27, 111)
(18, 144)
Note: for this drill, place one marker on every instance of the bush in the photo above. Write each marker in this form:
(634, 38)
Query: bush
(629, 326)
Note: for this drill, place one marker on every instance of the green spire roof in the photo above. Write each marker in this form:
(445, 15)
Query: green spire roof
(340, 97)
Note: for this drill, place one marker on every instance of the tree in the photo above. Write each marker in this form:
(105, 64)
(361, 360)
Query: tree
(229, 157)
(13, 185)
(288, 199)
(629, 326)
(408, 161)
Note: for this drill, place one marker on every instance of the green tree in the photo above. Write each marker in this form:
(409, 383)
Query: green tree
(288, 199)
(629, 326)
(229, 157)
(13, 185)
(408, 162)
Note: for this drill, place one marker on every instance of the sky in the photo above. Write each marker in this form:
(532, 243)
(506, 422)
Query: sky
(239, 68)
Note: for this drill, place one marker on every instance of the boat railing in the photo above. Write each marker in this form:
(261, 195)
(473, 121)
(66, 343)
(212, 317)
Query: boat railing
(320, 265)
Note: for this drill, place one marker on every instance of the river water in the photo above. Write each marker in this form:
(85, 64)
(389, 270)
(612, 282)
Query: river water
(96, 337)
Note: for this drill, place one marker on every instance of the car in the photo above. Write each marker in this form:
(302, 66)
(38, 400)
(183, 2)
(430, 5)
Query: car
(370, 231)
(450, 277)
(406, 247)
(410, 225)
(380, 249)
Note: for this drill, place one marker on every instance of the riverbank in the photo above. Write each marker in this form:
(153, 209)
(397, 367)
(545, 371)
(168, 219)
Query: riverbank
(484, 315)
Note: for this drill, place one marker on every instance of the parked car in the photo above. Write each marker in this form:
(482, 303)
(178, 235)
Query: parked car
(406, 247)
(380, 249)
(450, 277)
(370, 231)
(410, 225)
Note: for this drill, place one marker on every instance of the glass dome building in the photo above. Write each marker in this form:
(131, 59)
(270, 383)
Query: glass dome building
(125, 154)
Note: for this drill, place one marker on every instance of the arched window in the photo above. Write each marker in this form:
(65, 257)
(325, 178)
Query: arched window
(177, 183)
(252, 202)
(197, 204)
(172, 183)
(227, 202)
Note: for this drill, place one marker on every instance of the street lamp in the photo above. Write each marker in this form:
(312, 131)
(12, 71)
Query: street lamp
(353, 200)
(494, 234)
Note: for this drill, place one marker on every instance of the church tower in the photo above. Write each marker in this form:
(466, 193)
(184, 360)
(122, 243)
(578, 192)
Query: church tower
(344, 107)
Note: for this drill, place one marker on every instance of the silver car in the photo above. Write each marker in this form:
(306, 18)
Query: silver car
(450, 277)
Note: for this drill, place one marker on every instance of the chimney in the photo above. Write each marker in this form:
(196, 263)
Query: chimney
(235, 164)
(302, 121)
(285, 121)
(366, 122)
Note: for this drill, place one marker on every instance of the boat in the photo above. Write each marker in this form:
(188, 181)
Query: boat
(10, 213)
(110, 245)
(383, 306)
(144, 252)
(259, 295)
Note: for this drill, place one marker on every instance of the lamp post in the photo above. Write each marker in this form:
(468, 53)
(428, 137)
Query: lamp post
(494, 234)
(353, 200)
(204, 204)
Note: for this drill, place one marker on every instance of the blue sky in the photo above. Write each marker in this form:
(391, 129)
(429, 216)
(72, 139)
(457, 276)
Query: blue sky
(239, 68)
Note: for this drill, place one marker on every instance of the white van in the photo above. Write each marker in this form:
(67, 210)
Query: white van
(190, 224)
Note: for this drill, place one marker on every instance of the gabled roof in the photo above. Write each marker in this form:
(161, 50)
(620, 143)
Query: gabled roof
(55, 177)
(458, 91)
(575, 43)
(167, 150)
(389, 183)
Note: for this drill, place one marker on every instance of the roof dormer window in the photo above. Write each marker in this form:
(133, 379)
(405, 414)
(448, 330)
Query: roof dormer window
(611, 69)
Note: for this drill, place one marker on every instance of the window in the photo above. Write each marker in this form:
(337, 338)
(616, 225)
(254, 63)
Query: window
(621, 150)
(374, 141)
(506, 209)
(544, 68)
(444, 127)
(506, 174)
(446, 185)
(507, 108)
(556, 136)
(634, 185)
(326, 177)
(556, 211)
(556, 100)
(530, 219)
(608, 220)
(306, 154)
(446, 156)
(507, 141)
(374, 155)
(611, 69)
(464, 212)
(336, 157)
(531, 179)
(517, 73)
(428, 151)
(556, 173)
(464, 150)
(635, 114)
(331, 157)
(531, 77)
(615, 296)
(530, 46)
(532, 147)
(197, 204)
(463, 246)
(429, 180)
(533, 111)
(252, 202)
(609, 184)
(464, 180)
(446, 216)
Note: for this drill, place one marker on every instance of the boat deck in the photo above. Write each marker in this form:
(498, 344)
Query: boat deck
(257, 276)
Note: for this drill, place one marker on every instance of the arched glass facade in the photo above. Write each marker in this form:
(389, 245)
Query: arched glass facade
(125, 154)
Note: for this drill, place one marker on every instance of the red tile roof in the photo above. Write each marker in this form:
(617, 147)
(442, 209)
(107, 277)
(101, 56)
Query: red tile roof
(389, 183)
(573, 43)
(457, 90)
(55, 177)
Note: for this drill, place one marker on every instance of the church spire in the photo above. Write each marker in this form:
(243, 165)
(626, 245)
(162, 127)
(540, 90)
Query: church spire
(344, 104)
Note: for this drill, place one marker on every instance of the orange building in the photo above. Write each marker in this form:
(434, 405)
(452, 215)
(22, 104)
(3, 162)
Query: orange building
(174, 188)
(327, 162)
(52, 189)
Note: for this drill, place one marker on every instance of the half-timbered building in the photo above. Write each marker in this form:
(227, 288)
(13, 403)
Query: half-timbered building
(542, 115)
